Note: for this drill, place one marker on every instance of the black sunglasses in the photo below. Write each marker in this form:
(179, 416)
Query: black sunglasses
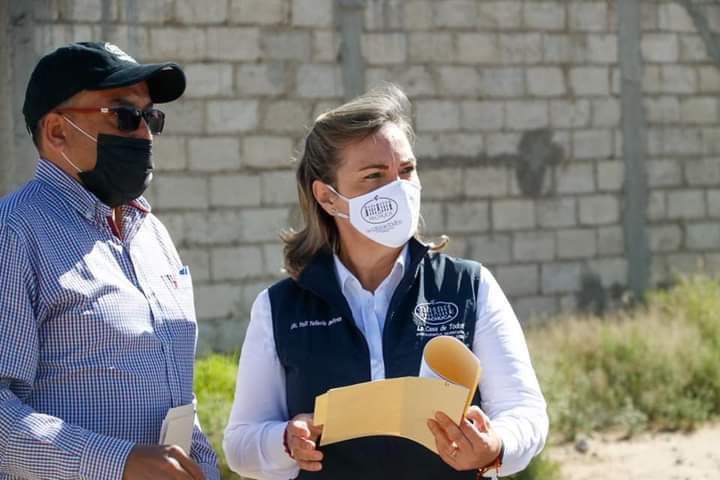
(128, 118)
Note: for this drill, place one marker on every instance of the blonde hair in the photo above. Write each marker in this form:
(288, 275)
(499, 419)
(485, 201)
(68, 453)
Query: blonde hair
(331, 132)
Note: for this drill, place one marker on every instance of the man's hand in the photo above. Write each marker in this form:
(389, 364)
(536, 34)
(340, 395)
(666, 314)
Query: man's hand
(302, 438)
(160, 462)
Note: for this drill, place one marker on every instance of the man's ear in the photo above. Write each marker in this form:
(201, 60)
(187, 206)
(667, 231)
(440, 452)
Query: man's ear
(53, 130)
(324, 197)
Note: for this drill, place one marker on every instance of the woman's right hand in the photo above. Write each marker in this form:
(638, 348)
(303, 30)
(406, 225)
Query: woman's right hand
(301, 440)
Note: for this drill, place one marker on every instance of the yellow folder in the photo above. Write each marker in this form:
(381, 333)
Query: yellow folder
(450, 373)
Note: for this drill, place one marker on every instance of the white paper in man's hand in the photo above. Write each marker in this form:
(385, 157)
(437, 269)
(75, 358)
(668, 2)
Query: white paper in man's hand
(178, 426)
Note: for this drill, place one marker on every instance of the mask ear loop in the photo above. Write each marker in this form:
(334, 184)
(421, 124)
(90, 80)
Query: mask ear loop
(334, 211)
(81, 131)
(78, 128)
(71, 163)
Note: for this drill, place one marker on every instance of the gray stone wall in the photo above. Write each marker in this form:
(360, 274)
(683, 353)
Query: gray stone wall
(518, 109)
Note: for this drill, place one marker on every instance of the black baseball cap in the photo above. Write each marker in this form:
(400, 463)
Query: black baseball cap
(94, 66)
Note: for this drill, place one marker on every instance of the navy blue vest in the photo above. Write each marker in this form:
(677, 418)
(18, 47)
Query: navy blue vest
(320, 347)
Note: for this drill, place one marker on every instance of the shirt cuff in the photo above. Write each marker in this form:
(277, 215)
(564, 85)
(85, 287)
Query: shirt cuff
(210, 472)
(104, 458)
(276, 450)
(509, 450)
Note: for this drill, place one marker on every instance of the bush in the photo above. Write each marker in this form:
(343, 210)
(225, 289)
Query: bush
(215, 388)
(541, 468)
(655, 367)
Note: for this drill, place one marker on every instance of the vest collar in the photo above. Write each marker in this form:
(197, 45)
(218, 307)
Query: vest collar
(321, 268)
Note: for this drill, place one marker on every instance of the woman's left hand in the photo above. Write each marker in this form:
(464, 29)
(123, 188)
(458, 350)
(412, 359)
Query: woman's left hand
(471, 445)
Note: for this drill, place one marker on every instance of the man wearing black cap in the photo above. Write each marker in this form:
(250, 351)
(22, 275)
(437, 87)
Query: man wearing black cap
(97, 322)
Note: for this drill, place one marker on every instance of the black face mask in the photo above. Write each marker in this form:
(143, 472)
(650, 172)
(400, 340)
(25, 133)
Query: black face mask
(123, 171)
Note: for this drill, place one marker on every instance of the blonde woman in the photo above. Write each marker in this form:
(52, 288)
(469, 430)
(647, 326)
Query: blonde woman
(357, 306)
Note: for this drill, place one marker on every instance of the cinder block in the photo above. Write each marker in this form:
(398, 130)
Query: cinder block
(384, 48)
(212, 154)
(526, 115)
(560, 277)
(575, 178)
(181, 191)
(513, 214)
(209, 80)
(599, 210)
(518, 280)
(259, 12)
(686, 204)
(261, 151)
(534, 246)
(235, 190)
(665, 238)
(261, 79)
(205, 12)
(557, 212)
(468, 217)
(545, 81)
(232, 116)
(236, 263)
(544, 16)
(576, 243)
(319, 81)
(312, 13)
(486, 181)
(660, 47)
(437, 115)
(588, 16)
(233, 43)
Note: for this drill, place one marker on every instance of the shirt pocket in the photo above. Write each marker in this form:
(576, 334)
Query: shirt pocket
(180, 288)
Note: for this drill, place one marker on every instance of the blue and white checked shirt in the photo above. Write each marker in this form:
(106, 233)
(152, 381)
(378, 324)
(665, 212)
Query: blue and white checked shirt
(97, 333)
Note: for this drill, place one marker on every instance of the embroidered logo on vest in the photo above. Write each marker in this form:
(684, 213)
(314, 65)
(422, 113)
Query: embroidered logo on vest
(435, 313)
(437, 318)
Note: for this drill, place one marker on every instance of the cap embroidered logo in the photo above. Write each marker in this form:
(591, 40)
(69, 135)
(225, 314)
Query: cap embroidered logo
(115, 50)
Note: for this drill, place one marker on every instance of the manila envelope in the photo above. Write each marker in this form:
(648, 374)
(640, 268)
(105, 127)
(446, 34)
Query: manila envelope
(401, 406)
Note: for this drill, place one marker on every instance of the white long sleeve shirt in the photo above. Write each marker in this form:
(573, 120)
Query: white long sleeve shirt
(511, 396)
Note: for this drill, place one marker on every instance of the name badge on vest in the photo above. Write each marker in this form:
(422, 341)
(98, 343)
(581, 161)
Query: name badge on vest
(315, 323)
(438, 318)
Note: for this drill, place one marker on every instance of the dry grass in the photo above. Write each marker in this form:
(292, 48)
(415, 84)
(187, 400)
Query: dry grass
(654, 367)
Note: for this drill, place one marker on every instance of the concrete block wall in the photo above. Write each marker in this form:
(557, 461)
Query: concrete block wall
(517, 110)
(681, 85)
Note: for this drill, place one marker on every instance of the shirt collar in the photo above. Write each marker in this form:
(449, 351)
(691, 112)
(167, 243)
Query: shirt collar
(77, 196)
(397, 272)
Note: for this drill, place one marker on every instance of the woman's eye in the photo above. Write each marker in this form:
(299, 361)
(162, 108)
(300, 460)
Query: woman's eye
(409, 169)
(373, 176)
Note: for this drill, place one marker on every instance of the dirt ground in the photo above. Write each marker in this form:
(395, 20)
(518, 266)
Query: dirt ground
(659, 456)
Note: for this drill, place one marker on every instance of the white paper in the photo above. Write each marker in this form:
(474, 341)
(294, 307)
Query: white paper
(177, 427)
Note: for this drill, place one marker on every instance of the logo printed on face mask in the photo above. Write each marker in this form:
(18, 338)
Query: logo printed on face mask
(379, 210)
(388, 215)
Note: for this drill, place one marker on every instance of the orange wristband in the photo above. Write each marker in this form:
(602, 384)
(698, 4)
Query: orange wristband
(495, 464)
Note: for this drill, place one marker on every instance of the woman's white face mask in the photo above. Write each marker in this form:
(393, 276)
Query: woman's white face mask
(388, 215)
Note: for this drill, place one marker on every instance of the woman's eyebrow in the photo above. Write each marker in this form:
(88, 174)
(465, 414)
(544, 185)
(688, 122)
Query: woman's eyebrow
(381, 166)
